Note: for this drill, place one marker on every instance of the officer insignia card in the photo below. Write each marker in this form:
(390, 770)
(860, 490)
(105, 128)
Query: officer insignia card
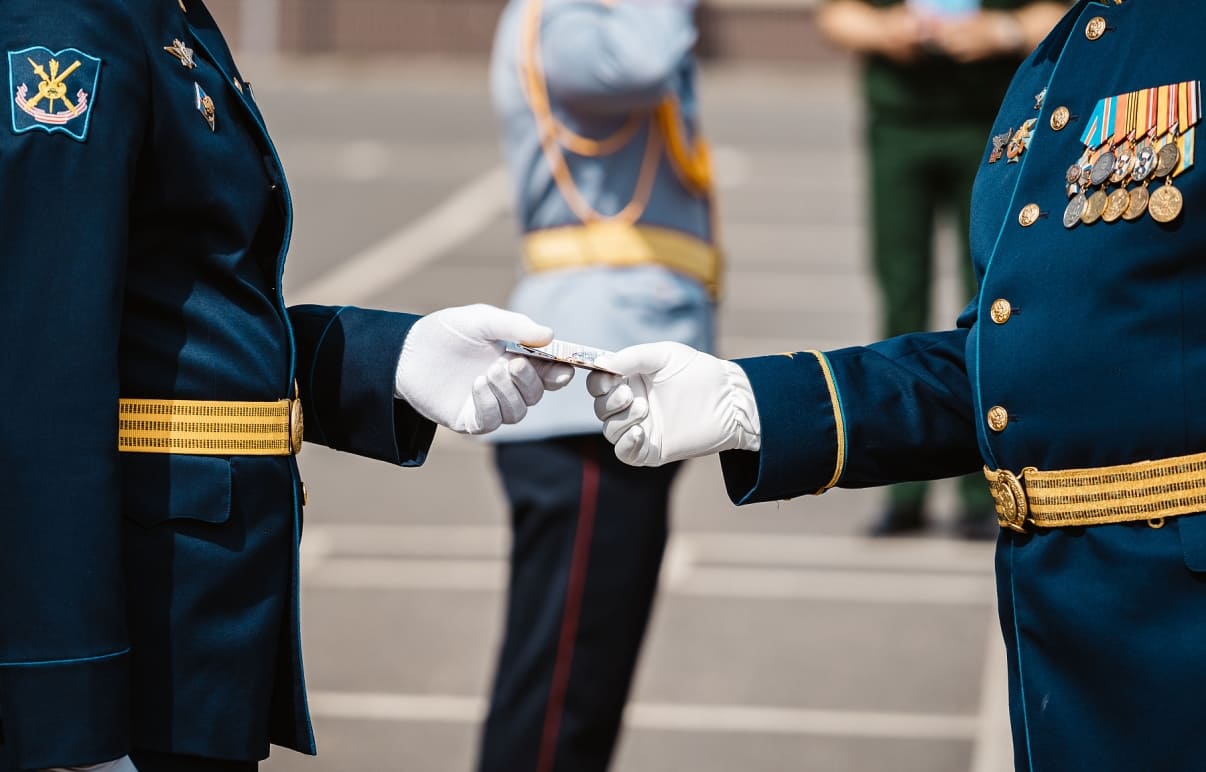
(52, 91)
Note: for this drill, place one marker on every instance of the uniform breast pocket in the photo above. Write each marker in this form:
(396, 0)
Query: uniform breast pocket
(157, 488)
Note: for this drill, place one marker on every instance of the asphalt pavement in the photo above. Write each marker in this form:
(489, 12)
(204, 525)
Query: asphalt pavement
(782, 638)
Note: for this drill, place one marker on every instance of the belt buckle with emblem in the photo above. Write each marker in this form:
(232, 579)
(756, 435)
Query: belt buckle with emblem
(1009, 498)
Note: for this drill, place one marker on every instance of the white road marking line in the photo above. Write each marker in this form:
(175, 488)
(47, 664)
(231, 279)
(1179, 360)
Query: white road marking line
(675, 717)
(688, 550)
(752, 583)
(458, 219)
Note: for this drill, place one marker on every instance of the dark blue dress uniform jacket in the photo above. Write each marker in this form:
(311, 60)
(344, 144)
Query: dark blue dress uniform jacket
(1102, 362)
(151, 600)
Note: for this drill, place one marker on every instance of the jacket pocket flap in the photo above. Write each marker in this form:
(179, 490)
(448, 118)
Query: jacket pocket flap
(167, 486)
(1192, 530)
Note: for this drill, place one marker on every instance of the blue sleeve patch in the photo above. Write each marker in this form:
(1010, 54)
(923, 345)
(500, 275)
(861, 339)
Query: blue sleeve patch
(53, 91)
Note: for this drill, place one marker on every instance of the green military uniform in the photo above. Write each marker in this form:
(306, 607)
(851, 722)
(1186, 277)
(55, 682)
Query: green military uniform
(927, 130)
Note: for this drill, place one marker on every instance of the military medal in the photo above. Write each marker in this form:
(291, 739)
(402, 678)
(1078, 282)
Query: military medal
(1075, 210)
(1165, 203)
(1136, 138)
(1019, 141)
(205, 106)
(1137, 204)
(1103, 167)
(998, 146)
(1117, 203)
(1145, 162)
(183, 53)
(1094, 207)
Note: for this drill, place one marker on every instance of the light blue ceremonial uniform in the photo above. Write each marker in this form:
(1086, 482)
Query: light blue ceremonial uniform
(612, 192)
(601, 65)
(1085, 348)
(149, 601)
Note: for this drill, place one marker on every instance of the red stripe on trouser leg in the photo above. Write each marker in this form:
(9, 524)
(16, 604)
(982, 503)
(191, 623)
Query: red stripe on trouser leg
(569, 618)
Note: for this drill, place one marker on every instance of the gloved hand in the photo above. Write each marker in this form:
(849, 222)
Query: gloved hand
(673, 403)
(120, 765)
(454, 371)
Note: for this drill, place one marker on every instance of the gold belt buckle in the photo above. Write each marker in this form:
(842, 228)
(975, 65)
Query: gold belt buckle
(297, 427)
(1009, 497)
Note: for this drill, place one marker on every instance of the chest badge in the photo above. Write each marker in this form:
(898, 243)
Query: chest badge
(1139, 142)
(205, 106)
(183, 53)
(52, 91)
(1020, 141)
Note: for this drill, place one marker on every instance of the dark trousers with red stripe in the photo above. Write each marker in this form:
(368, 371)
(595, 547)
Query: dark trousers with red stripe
(589, 533)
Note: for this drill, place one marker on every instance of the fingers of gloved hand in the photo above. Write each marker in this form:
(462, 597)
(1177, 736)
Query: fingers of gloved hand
(631, 446)
(487, 415)
(554, 375)
(599, 383)
(526, 379)
(488, 323)
(614, 401)
(646, 358)
(615, 426)
(510, 401)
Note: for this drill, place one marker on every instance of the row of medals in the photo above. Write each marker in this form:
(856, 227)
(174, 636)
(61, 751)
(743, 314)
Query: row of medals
(1128, 164)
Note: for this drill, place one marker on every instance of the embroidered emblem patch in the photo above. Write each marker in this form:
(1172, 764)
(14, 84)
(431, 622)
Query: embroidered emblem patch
(52, 91)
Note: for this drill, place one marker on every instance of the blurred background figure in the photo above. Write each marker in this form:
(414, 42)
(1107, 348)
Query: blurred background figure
(612, 188)
(933, 75)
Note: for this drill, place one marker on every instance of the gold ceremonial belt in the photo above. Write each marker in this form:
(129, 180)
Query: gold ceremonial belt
(205, 428)
(622, 245)
(1144, 490)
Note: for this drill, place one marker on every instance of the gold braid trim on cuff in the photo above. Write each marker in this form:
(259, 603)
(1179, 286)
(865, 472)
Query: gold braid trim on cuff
(839, 422)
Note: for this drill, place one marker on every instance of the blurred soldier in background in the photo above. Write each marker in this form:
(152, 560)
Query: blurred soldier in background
(934, 73)
(612, 188)
(152, 392)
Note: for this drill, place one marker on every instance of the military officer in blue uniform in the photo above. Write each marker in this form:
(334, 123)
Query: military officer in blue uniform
(612, 187)
(153, 392)
(1073, 380)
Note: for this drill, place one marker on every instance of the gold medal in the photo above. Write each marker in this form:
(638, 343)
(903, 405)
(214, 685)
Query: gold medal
(1167, 159)
(1165, 203)
(1116, 203)
(1094, 207)
(1137, 205)
(1074, 210)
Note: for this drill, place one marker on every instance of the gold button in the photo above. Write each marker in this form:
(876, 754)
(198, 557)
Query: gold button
(1095, 28)
(1029, 215)
(305, 495)
(1001, 310)
(998, 418)
(1060, 118)
(239, 84)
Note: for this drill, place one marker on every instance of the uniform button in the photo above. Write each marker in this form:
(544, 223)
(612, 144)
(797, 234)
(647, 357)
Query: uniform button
(998, 418)
(1001, 310)
(239, 84)
(1095, 28)
(305, 495)
(1029, 215)
(1060, 118)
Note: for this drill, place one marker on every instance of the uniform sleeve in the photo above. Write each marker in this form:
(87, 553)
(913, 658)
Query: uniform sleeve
(67, 168)
(893, 411)
(347, 358)
(615, 58)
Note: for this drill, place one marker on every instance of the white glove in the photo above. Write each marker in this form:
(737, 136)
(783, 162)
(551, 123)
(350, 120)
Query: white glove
(454, 371)
(674, 403)
(120, 765)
